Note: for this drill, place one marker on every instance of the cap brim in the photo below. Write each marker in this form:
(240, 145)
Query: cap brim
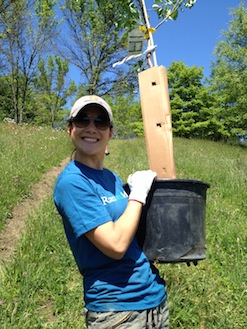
(93, 105)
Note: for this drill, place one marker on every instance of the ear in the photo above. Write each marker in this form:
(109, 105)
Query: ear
(111, 133)
(69, 128)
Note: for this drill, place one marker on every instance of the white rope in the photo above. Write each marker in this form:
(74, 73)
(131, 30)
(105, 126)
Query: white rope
(150, 49)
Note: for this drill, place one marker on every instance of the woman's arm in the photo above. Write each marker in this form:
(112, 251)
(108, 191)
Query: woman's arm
(114, 238)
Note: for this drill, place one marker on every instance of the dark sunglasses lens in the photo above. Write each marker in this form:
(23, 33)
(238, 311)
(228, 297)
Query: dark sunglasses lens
(100, 122)
(82, 122)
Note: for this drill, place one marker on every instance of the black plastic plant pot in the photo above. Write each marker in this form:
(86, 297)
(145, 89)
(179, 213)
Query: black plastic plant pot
(172, 226)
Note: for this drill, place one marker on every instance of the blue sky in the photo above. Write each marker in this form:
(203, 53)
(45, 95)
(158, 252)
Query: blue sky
(193, 36)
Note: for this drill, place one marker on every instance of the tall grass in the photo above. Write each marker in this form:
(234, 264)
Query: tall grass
(41, 287)
(25, 154)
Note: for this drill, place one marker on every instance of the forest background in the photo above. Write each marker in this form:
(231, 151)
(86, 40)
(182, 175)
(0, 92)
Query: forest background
(41, 39)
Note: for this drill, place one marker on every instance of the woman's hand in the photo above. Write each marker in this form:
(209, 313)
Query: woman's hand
(140, 184)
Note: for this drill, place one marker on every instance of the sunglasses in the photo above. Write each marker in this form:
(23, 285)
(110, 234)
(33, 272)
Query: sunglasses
(100, 122)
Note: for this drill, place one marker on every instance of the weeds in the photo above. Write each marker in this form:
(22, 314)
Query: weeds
(25, 154)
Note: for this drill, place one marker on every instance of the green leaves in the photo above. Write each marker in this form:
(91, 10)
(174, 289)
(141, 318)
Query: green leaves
(229, 74)
(97, 40)
(53, 87)
(221, 106)
(193, 115)
(170, 9)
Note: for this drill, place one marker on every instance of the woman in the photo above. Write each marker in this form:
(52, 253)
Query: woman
(100, 221)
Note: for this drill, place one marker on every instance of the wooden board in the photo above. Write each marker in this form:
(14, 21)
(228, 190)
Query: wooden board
(157, 121)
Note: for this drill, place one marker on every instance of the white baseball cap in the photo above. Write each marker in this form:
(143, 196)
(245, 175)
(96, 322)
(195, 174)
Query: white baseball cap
(85, 101)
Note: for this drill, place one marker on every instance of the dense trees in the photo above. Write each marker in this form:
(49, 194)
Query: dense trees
(26, 28)
(193, 105)
(127, 116)
(190, 101)
(40, 40)
(216, 110)
(52, 89)
(229, 76)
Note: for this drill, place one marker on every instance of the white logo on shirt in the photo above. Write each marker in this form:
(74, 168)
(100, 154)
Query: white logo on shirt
(115, 198)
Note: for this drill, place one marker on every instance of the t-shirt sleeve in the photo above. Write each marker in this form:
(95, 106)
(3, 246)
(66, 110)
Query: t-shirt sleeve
(79, 204)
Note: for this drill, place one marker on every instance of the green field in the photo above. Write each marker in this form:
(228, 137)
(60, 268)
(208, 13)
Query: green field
(40, 286)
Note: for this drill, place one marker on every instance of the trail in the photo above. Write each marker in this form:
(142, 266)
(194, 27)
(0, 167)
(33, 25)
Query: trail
(10, 236)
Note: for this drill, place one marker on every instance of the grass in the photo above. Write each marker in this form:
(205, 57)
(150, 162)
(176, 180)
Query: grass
(41, 287)
(26, 154)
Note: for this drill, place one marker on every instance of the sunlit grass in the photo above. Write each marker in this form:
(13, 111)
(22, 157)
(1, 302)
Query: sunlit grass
(26, 153)
(41, 287)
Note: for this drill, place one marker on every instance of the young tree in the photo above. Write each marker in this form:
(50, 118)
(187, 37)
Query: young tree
(98, 32)
(127, 116)
(6, 109)
(95, 42)
(192, 109)
(52, 86)
(26, 27)
(229, 75)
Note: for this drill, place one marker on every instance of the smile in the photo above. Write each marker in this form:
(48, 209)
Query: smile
(90, 140)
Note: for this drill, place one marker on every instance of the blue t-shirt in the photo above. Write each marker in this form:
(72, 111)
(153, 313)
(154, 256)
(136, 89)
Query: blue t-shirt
(85, 199)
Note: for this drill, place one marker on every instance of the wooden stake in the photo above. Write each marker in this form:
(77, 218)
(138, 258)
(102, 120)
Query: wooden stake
(157, 121)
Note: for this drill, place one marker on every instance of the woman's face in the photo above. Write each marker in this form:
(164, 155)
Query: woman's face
(90, 133)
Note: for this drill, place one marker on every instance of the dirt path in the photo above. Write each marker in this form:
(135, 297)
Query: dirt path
(10, 236)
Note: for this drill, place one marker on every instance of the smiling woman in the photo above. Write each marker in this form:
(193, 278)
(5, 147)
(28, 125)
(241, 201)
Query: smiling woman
(90, 131)
(100, 222)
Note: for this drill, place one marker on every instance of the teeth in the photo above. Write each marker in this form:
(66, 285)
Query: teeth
(90, 139)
